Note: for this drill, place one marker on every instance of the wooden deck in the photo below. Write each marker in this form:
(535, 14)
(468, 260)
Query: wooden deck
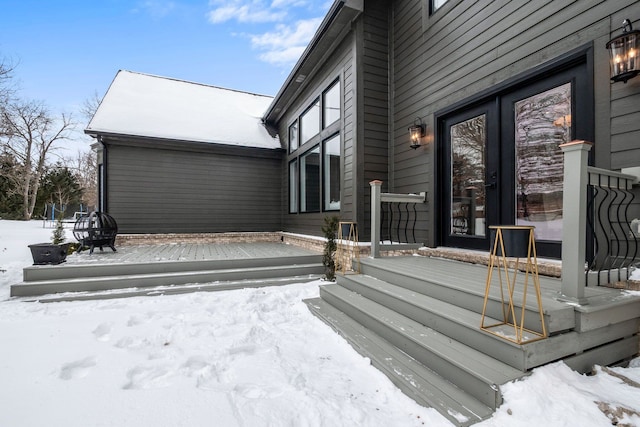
(419, 321)
(169, 268)
(187, 252)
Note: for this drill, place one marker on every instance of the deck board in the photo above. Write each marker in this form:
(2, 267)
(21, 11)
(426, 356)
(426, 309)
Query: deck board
(187, 252)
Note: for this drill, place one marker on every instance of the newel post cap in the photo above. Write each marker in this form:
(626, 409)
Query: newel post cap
(577, 144)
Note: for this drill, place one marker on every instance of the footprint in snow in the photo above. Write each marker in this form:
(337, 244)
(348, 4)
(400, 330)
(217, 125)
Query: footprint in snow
(147, 377)
(103, 332)
(77, 369)
(257, 391)
(197, 366)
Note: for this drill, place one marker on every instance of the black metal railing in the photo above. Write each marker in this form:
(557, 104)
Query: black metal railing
(613, 247)
(398, 222)
(394, 218)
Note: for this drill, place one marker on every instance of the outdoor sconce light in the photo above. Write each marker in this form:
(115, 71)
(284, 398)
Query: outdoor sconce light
(623, 53)
(416, 132)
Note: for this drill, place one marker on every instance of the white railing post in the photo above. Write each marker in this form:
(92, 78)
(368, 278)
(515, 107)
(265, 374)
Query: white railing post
(574, 220)
(376, 189)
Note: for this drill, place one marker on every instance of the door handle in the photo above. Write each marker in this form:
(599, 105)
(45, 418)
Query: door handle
(494, 182)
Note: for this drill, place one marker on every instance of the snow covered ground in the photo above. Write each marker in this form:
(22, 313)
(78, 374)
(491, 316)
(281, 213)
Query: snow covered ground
(252, 357)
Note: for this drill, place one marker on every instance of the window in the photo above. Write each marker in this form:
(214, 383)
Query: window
(331, 164)
(315, 148)
(293, 137)
(331, 105)
(436, 4)
(310, 181)
(310, 122)
(293, 186)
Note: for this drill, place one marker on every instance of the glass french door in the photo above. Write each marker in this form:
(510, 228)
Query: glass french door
(471, 174)
(501, 162)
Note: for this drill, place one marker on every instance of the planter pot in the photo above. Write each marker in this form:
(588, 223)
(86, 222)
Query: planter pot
(516, 241)
(48, 253)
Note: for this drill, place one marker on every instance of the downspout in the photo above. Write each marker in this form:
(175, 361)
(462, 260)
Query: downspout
(102, 177)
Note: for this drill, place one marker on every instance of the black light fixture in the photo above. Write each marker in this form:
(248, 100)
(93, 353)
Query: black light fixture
(416, 132)
(623, 54)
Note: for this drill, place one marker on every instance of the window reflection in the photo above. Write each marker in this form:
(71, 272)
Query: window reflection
(293, 186)
(293, 137)
(468, 141)
(310, 181)
(332, 173)
(331, 105)
(542, 123)
(310, 122)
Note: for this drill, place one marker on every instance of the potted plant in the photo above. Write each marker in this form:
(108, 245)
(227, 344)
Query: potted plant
(54, 252)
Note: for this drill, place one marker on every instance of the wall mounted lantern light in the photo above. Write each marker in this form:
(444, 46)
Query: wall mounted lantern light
(623, 54)
(416, 132)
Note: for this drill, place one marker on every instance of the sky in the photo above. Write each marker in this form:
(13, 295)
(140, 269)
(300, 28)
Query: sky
(67, 51)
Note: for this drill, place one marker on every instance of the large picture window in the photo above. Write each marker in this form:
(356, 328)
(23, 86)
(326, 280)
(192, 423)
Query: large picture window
(293, 186)
(310, 181)
(331, 164)
(331, 105)
(293, 137)
(315, 153)
(310, 122)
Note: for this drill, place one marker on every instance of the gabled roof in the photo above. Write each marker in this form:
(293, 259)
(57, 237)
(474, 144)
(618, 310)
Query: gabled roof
(143, 105)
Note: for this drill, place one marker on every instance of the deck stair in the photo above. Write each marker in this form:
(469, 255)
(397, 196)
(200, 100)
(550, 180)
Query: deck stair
(116, 280)
(418, 320)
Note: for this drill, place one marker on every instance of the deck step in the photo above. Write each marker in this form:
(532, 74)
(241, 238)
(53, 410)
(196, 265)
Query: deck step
(469, 369)
(461, 324)
(413, 378)
(433, 278)
(172, 289)
(117, 281)
(98, 269)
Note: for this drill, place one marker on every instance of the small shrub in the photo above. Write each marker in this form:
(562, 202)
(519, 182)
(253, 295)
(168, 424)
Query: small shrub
(330, 230)
(58, 233)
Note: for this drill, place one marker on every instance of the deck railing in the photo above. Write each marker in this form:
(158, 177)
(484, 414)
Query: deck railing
(393, 220)
(614, 247)
(599, 245)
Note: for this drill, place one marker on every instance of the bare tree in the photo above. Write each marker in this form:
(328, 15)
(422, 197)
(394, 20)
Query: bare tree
(30, 134)
(85, 166)
(6, 74)
(90, 106)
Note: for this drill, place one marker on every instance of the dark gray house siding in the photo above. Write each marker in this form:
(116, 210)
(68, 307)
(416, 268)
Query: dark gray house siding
(185, 187)
(340, 66)
(469, 47)
(399, 62)
(373, 49)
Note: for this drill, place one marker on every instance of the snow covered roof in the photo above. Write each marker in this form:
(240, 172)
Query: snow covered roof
(158, 107)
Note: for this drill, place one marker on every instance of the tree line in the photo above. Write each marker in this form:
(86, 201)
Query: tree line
(32, 172)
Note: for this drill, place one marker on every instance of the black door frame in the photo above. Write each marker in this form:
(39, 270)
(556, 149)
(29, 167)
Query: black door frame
(492, 191)
(582, 128)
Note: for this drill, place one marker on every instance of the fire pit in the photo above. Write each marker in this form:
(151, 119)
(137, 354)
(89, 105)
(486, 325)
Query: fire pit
(96, 230)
